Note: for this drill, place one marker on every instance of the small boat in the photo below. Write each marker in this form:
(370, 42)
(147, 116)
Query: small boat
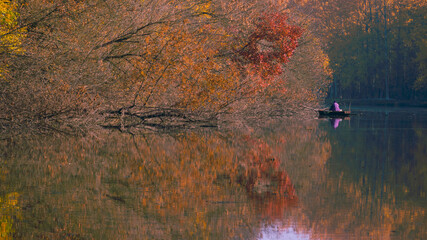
(333, 114)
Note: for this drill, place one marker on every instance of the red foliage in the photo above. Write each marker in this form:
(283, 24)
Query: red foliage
(271, 44)
(266, 182)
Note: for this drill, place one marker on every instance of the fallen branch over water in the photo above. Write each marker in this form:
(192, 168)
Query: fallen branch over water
(158, 118)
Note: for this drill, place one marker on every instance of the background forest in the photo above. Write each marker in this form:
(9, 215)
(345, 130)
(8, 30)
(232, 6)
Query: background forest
(377, 47)
(125, 63)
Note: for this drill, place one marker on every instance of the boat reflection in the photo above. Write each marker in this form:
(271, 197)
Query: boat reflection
(335, 122)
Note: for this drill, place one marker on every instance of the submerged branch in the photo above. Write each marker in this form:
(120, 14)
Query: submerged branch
(158, 118)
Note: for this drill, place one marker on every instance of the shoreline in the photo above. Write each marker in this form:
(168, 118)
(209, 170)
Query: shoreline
(381, 103)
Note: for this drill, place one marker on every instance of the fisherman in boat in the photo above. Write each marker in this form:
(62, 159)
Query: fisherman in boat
(335, 107)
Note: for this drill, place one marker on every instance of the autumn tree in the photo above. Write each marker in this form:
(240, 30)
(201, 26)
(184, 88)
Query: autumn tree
(10, 33)
(138, 62)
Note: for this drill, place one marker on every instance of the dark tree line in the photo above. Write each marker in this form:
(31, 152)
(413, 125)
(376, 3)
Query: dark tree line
(377, 49)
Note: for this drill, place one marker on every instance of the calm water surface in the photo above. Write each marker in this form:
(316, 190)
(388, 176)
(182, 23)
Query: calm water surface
(358, 178)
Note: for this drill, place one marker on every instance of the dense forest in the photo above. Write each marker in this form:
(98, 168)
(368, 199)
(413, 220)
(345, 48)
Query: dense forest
(126, 63)
(377, 48)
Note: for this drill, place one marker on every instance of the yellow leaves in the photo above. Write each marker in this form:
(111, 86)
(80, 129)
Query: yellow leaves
(204, 9)
(7, 15)
(3, 72)
(9, 210)
(10, 35)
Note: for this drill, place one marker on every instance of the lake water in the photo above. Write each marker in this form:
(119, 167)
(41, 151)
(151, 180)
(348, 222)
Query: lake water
(359, 178)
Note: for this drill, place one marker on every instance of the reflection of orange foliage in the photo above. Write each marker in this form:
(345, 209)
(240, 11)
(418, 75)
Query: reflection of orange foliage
(266, 183)
(272, 207)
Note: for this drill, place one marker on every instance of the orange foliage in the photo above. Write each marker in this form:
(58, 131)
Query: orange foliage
(266, 182)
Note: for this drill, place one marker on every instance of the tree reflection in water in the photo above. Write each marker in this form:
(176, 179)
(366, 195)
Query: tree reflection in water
(197, 185)
(267, 183)
(119, 186)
